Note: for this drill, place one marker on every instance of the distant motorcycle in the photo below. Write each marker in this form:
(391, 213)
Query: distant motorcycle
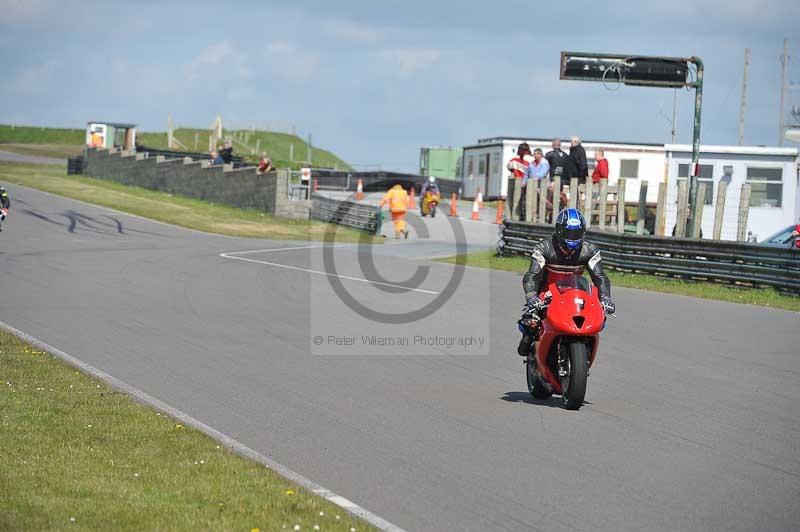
(429, 203)
(569, 335)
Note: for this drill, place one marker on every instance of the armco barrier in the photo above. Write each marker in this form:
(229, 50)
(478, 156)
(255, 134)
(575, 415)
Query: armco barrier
(378, 181)
(348, 213)
(713, 260)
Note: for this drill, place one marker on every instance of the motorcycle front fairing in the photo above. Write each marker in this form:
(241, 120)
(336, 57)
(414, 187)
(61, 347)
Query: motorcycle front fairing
(573, 314)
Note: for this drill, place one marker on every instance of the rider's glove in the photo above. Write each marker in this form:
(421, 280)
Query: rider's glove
(608, 306)
(533, 304)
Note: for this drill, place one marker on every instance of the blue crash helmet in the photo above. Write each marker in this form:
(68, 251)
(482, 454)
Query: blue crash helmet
(570, 229)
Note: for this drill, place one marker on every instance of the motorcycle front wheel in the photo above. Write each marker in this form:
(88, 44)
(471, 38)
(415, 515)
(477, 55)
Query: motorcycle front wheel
(573, 374)
(535, 385)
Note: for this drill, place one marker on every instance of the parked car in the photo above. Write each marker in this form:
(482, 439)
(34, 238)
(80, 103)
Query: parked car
(782, 238)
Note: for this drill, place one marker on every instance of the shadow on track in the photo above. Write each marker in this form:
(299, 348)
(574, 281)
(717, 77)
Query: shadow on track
(525, 397)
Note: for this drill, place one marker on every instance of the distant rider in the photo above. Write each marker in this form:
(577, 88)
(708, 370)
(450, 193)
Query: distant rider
(5, 203)
(431, 185)
(565, 254)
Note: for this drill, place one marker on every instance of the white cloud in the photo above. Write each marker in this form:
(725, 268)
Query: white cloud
(411, 60)
(349, 31)
(279, 47)
(213, 55)
(21, 11)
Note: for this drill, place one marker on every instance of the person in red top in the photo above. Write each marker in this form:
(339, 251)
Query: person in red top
(796, 235)
(518, 166)
(600, 167)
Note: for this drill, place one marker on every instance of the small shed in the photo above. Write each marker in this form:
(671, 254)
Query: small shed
(111, 135)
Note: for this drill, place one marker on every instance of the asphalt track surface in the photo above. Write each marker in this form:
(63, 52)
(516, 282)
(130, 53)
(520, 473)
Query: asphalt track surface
(691, 422)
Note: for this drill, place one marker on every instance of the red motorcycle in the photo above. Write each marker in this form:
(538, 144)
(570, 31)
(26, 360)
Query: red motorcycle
(569, 335)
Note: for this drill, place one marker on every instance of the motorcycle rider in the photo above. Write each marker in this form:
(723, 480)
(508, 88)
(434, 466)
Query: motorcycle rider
(429, 186)
(5, 203)
(565, 253)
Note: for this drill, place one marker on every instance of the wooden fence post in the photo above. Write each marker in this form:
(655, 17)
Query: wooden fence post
(530, 200)
(588, 201)
(556, 197)
(700, 201)
(719, 211)
(642, 208)
(661, 209)
(601, 219)
(543, 186)
(621, 204)
(573, 192)
(744, 210)
(683, 204)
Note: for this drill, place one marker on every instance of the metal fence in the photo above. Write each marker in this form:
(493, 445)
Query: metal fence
(710, 260)
(366, 218)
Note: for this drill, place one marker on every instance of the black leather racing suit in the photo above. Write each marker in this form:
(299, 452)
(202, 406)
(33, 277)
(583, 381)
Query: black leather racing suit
(547, 256)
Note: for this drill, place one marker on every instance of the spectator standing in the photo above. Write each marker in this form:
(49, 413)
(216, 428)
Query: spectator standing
(216, 158)
(600, 167)
(518, 166)
(560, 163)
(265, 164)
(578, 156)
(227, 153)
(796, 235)
(538, 169)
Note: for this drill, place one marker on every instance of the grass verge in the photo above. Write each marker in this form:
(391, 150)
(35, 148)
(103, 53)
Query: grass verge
(765, 297)
(185, 212)
(58, 151)
(77, 454)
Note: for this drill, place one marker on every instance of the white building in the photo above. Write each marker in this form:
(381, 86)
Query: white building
(773, 176)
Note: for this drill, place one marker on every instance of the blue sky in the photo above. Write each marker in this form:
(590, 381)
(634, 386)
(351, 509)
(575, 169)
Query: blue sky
(375, 80)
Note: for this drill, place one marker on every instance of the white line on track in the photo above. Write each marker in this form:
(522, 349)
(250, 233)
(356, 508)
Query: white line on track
(233, 255)
(234, 445)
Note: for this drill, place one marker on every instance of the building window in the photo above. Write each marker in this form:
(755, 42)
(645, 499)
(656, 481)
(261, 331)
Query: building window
(470, 166)
(496, 163)
(706, 176)
(629, 168)
(482, 166)
(766, 186)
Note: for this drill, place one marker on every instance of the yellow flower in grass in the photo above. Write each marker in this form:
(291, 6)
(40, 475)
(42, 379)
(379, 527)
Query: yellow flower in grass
(290, 492)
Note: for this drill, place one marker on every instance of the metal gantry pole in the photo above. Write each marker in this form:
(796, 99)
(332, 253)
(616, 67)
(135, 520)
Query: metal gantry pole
(695, 168)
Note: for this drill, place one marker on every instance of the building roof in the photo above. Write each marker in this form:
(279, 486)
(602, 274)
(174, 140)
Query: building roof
(517, 138)
(112, 124)
(737, 150)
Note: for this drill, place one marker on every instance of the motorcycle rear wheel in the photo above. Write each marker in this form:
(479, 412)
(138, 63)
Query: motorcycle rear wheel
(535, 385)
(573, 384)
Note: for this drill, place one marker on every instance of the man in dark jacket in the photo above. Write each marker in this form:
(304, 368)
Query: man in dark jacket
(578, 156)
(560, 163)
(565, 253)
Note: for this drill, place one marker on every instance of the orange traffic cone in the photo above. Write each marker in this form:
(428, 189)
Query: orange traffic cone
(480, 198)
(501, 207)
(412, 204)
(453, 205)
(475, 208)
(360, 190)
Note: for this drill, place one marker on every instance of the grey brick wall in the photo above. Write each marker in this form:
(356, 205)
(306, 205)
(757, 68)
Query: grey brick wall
(243, 187)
